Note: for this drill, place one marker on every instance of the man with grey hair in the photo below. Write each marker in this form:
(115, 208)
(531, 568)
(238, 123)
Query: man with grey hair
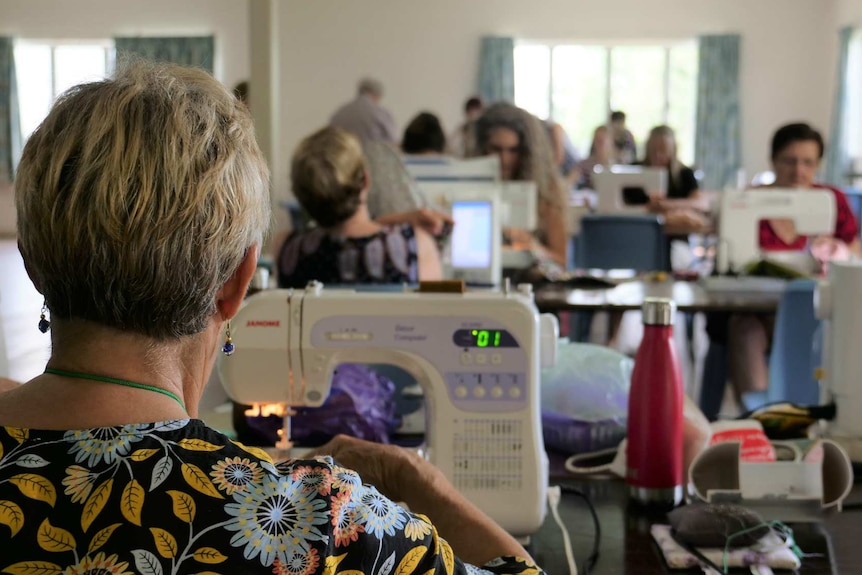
(365, 117)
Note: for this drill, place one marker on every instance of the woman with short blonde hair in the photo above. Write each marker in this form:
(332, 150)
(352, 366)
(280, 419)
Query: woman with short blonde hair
(331, 181)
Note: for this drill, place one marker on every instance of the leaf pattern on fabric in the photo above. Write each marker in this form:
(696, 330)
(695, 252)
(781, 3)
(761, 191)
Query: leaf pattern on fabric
(183, 505)
(35, 487)
(33, 568)
(198, 480)
(54, 539)
(101, 537)
(177, 497)
(132, 502)
(11, 516)
(95, 503)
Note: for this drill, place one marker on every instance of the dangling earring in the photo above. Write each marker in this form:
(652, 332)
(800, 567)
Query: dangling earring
(44, 324)
(228, 346)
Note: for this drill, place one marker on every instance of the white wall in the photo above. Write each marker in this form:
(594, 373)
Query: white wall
(427, 53)
(849, 12)
(84, 19)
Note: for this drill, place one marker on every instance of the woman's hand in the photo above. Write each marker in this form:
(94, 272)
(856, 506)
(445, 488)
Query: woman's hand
(396, 472)
(826, 248)
(433, 221)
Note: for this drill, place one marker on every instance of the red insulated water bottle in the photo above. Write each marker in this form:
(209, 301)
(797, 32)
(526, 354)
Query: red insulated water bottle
(654, 448)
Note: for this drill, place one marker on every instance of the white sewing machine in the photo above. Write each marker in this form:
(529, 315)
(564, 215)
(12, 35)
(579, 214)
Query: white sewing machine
(836, 301)
(741, 211)
(476, 355)
(613, 182)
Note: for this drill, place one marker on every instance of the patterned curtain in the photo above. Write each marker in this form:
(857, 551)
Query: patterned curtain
(837, 159)
(717, 142)
(10, 129)
(194, 51)
(497, 69)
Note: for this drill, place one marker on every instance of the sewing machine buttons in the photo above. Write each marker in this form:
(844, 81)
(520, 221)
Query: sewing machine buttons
(461, 391)
(489, 392)
(479, 392)
(496, 392)
(496, 359)
(481, 359)
(466, 359)
(514, 392)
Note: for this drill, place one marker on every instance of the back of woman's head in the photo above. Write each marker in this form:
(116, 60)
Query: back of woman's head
(536, 162)
(138, 197)
(424, 134)
(328, 175)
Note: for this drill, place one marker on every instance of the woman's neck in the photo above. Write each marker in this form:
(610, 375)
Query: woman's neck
(358, 225)
(56, 401)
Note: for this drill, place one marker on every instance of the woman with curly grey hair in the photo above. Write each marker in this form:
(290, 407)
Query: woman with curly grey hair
(521, 141)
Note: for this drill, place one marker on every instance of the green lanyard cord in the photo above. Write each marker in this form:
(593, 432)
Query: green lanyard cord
(123, 382)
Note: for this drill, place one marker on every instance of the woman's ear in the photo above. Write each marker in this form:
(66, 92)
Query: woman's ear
(230, 296)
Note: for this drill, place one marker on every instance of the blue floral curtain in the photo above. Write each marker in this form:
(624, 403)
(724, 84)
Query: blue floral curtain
(10, 129)
(497, 69)
(717, 141)
(837, 159)
(193, 51)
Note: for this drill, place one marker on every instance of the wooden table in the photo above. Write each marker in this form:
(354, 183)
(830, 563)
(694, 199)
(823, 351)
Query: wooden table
(689, 296)
(627, 547)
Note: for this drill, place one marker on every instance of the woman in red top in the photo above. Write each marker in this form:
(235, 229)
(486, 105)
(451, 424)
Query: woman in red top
(797, 150)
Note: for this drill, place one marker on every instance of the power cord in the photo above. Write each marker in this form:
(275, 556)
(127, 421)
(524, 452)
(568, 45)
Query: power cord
(554, 495)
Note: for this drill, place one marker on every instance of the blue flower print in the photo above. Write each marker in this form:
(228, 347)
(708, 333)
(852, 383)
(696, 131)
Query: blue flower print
(276, 518)
(103, 443)
(379, 514)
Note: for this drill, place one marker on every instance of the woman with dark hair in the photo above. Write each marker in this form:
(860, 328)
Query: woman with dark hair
(424, 135)
(796, 152)
(521, 141)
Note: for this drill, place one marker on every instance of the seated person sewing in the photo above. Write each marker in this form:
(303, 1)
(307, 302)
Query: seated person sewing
(424, 136)
(797, 150)
(113, 472)
(331, 182)
(600, 155)
(521, 141)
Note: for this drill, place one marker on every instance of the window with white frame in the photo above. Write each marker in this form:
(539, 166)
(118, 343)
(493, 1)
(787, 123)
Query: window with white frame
(579, 84)
(853, 99)
(47, 68)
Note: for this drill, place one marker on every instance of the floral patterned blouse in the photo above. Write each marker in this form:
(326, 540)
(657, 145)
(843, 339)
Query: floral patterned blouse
(178, 497)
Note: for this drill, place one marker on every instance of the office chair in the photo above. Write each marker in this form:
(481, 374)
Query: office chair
(630, 241)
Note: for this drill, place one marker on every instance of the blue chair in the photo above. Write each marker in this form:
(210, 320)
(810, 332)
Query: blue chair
(792, 358)
(634, 242)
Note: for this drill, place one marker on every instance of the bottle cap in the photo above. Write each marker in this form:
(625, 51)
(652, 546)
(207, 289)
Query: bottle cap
(658, 311)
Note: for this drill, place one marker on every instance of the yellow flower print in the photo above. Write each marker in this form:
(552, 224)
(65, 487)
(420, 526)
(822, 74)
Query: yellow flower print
(78, 483)
(417, 528)
(234, 474)
(101, 564)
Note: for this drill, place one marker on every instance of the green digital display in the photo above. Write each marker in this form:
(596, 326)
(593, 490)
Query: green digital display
(484, 338)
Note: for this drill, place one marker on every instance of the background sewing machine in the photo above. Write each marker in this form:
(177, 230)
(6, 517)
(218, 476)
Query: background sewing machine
(741, 211)
(626, 189)
(476, 355)
(515, 206)
(836, 301)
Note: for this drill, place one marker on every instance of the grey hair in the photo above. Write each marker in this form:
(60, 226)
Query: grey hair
(370, 86)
